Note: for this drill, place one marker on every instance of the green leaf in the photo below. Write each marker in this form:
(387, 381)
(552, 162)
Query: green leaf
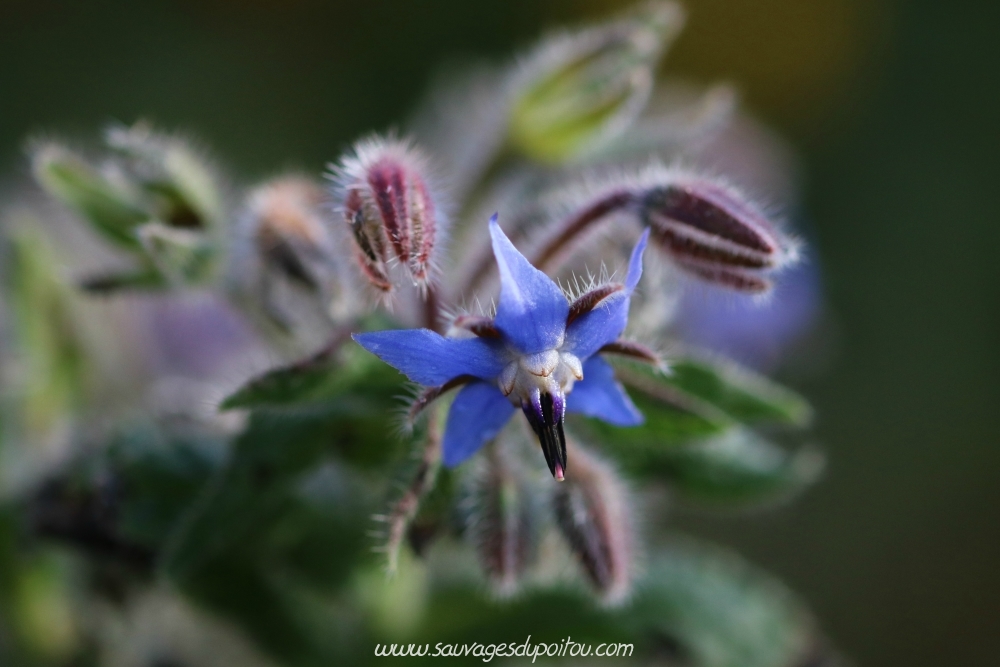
(715, 610)
(666, 426)
(738, 467)
(343, 417)
(160, 476)
(720, 386)
(336, 370)
(250, 492)
(47, 334)
(111, 207)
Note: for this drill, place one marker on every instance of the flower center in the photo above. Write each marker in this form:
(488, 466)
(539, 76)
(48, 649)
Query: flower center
(538, 384)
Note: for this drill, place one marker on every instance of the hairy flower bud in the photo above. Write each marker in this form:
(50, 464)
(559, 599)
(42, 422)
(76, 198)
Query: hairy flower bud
(593, 514)
(289, 233)
(109, 204)
(578, 88)
(287, 259)
(715, 233)
(180, 185)
(388, 208)
(502, 519)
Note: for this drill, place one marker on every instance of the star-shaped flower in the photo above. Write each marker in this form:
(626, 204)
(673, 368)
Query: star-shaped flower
(539, 353)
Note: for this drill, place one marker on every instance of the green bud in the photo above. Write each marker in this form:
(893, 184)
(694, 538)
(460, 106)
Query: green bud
(582, 88)
(182, 256)
(110, 205)
(182, 188)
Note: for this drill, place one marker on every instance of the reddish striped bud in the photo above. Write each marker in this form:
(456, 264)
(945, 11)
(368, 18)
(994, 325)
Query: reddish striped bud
(593, 514)
(388, 209)
(502, 519)
(715, 233)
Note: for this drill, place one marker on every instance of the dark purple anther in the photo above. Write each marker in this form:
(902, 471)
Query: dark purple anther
(545, 413)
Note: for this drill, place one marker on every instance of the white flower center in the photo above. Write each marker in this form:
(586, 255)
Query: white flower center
(549, 372)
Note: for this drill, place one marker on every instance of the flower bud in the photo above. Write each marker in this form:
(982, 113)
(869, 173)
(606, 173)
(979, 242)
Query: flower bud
(182, 256)
(181, 188)
(289, 233)
(593, 514)
(578, 88)
(715, 233)
(502, 521)
(285, 257)
(388, 209)
(110, 205)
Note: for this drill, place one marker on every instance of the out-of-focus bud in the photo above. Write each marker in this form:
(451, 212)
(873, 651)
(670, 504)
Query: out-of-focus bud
(289, 232)
(502, 519)
(182, 256)
(286, 254)
(182, 189)
(593, 513)
(113, 207)
(715, 233)
(388, 208)
(580, 88)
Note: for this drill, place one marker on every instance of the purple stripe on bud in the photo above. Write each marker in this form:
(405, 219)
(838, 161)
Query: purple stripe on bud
(741, 280)
(389, 210)
(714, 233)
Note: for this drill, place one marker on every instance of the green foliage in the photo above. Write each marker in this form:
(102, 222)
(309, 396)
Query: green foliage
(737, 467)
(49, 348)
(717, 611)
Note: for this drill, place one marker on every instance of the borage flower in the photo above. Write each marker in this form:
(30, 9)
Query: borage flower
(539, 353)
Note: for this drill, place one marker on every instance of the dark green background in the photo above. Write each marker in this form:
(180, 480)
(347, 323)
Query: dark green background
(893, 106)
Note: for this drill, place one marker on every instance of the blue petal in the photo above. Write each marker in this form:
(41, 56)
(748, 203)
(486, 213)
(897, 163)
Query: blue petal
(532, 310)
(478, 414)
(604, 324)
(431, 359)
(599, 395)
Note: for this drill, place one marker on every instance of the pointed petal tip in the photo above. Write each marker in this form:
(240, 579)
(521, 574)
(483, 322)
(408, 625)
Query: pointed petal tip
(635, 261)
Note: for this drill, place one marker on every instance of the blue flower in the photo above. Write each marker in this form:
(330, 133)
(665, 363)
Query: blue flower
(539, 353)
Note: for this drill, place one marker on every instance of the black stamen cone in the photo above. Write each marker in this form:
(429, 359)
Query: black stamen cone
(548, 426)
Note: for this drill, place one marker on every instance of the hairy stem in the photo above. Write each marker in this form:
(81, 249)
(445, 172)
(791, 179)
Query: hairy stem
(553, 253)
(405, 509)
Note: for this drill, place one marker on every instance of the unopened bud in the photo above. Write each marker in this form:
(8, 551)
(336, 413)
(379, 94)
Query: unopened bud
(502, 521)
(181, 187)
(593, 514)
(578, 88)
(388, 209)
(112, 207)
(288, 229)
(182, 256)
(715, 233)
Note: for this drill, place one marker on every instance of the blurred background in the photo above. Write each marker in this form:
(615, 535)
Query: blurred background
(890, 107)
